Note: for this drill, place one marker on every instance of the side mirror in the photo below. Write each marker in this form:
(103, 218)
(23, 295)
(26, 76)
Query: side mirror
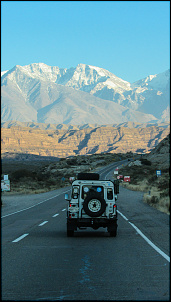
(67, 197)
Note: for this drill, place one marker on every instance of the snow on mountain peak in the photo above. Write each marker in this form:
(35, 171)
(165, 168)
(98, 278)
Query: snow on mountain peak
(3, 72)
(156, 82)
(39, 82)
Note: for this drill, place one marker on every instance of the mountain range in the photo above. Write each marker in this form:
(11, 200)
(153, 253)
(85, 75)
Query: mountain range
(83, 95)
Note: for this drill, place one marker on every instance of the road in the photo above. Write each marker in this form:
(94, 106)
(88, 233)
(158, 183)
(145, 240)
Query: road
(40, 263)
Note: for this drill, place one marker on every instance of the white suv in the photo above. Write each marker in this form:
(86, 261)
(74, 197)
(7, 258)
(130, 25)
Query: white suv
(92, 204)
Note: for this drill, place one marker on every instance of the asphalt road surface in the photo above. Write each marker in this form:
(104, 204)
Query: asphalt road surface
(40, 263)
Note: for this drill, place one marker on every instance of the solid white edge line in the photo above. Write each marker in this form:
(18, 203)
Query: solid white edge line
(44, 222)
(144, 237)
(150, 243)
(20, 238)
(35, 204)
(122, 215)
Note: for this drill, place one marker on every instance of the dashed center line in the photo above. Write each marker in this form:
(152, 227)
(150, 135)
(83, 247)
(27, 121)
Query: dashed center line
(55, 215)
(63, 210)
(43, 223)
(20, 238)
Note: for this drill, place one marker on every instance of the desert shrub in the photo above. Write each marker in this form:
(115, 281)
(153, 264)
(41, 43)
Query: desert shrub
(145, 161)
(163, 184)
(72, 162)
(154, 199)
(165, 193)
(42, 176)
(22, 173)
(152, 179)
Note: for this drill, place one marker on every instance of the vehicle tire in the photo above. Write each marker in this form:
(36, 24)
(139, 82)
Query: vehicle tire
(70, 233)
(112, 229)
(70, 229)
(88, 176)
(113, 233)
(94, 205)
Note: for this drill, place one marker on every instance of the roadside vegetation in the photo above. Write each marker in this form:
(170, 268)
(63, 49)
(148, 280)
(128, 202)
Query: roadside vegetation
(38, 176)
(143, 178)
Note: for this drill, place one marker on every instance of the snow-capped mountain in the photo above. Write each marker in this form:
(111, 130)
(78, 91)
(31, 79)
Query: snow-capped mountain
(85, 94)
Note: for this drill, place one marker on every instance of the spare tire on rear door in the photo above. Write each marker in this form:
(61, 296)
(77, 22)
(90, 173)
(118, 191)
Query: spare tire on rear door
(94, 205)
(88, 176)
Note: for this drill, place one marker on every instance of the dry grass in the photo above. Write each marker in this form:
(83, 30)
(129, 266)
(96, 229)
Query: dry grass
(156, 189)
(160, 203)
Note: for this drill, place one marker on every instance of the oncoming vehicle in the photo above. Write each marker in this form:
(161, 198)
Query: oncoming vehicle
(92, 204)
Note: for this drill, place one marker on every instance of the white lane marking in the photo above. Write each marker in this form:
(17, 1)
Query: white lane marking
(44, 222)
(55, 215)
(63, 210)
(150, 243)
(122, 215)
(35, 204)
(144, 237)
(20, 238)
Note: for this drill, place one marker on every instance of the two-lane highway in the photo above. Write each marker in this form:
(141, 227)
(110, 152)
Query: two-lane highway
(40, 263)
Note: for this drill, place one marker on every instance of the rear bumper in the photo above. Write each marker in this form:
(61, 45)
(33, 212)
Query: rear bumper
(95, 223)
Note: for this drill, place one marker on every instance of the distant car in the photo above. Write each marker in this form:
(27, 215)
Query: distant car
(92, 204)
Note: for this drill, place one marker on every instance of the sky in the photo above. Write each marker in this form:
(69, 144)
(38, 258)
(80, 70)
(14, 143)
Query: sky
(131, 39)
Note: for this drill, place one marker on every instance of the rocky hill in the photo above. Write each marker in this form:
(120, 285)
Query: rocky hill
(144, 177)
(160, 155)
(63, 143)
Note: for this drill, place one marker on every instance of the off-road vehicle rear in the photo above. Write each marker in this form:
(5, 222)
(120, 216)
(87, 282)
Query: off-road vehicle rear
(92, 204)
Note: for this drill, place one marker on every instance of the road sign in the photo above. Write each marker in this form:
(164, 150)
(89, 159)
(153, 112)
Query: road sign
(5, 185)
(127, 178)
(71, 179)
(158, 173)
(116, 171)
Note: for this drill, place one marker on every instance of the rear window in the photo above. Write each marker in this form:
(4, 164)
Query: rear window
(88, 189)
(109, 193)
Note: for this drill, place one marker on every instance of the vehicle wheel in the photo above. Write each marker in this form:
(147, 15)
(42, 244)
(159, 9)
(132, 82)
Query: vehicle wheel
(113, 233)
(70, 233)
(94, 205)
(112, 229)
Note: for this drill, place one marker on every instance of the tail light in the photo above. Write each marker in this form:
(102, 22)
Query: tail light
(114, 208)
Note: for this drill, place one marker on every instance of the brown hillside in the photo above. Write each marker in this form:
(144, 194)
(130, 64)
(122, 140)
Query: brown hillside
(63, 143)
